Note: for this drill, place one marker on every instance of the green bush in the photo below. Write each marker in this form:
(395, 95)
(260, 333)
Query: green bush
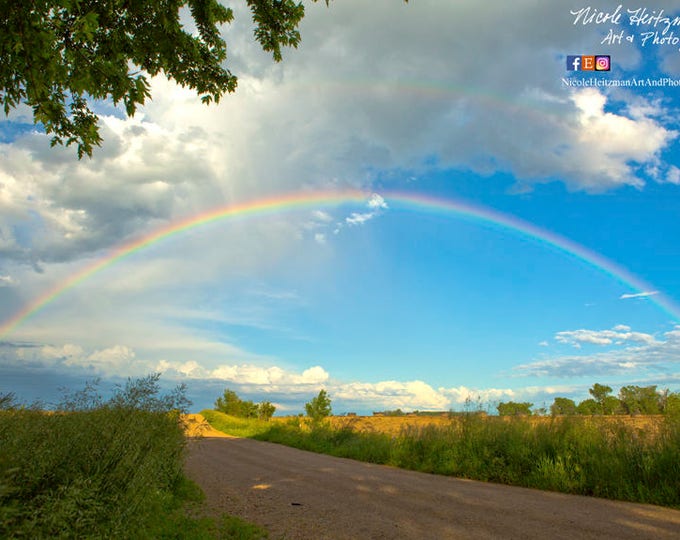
(99, 469)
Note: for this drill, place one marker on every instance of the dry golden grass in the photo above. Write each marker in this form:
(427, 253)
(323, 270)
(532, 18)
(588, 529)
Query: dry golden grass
(393, 425)
(195, 425)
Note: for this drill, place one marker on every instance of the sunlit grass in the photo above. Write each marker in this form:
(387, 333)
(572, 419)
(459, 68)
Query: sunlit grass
(232, 425)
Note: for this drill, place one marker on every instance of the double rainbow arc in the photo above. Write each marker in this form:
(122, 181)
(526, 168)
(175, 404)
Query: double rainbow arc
(299, 201)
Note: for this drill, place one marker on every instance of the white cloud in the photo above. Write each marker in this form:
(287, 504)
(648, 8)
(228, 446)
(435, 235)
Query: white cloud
(406, 93)
(606, 143)
(462, 394)
(116, 359)
(320, 215)
(649, 355)
(393, 395)
(621, 328)
(64, 352)
(376, 201)
(7, 281)
(267, 378)
(638, 295)
(359, 219)
(385, 106)
(618, 336)
(673, 175)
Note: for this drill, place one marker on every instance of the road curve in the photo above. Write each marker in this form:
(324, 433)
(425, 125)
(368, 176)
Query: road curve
(301, 495)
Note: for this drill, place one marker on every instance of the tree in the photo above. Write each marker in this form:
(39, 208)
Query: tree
(511, 408)
(562, 406)
(640, 399)
(320, 407)
(588, 407)
(58, 54)
(612, 405)
(599, 393)
(229, 403)
(265, 410)
(672, 405)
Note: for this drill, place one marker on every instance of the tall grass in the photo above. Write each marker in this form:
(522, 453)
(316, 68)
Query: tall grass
(99, 469)
(592, 456)
(587, 456)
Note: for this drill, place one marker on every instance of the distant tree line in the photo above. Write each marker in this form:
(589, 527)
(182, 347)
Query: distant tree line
(631, 400)
(230, 403)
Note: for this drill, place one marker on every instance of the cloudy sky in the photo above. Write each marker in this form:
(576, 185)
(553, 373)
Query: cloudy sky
(544, 259)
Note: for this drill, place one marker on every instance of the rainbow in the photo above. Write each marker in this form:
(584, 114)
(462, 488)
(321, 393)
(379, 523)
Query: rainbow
(316, 200)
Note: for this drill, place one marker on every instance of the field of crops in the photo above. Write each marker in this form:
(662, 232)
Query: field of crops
(393, 425)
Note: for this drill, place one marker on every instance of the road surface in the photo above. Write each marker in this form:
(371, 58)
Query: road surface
(301, 495)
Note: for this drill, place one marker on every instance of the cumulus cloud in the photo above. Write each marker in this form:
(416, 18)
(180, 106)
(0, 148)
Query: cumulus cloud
(653, 355)
(376, 201)
(179, 157)
(618, 335)
(266, 378)
(462, 394)
(406, 96)
(393, 394)
(606, 143)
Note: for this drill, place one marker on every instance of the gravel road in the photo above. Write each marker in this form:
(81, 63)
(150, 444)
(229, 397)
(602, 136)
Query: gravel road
(301, 495)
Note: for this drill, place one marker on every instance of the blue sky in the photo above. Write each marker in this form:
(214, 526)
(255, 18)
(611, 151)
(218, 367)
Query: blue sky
(383, 306)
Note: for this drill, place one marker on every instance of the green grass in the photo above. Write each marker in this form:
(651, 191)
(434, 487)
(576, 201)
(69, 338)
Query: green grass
(238, 427)
(103, 470)
(587, 456)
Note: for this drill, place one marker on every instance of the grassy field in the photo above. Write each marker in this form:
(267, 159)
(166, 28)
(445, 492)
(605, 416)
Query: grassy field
(625, 458)
(103, 470)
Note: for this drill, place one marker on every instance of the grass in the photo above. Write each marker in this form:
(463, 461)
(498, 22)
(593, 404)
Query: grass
(98, 469)
(579, 455)
(239, 427)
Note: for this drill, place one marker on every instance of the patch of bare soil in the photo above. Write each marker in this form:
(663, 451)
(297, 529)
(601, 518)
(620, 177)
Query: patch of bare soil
(301, 495)
(195, 425)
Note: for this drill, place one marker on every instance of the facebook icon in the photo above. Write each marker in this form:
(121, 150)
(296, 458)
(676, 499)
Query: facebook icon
(573, 63)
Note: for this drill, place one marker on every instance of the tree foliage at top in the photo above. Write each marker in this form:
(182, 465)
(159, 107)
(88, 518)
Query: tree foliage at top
(319, 407)
(58, 54)
(230, 403)
(512, 408)
(631, 400)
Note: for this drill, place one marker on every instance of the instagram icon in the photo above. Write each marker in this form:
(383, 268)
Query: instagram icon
(602, 63)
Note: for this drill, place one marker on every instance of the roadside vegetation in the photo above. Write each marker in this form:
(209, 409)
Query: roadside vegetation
(597, 455)
(97, 468)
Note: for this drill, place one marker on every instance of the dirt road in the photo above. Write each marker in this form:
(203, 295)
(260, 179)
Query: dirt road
(302, 495)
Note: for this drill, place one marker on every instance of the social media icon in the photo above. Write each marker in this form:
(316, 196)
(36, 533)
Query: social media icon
(573, 63)
(602, 63)
(588, 63)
